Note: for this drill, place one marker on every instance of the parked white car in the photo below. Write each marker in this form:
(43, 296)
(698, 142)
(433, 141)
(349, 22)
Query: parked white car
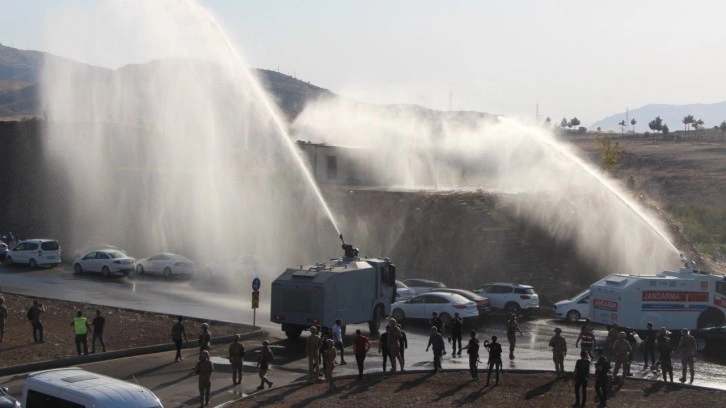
(403, 292)
(168, 264)
(574, 309)
(105, 262)
(445, 304)
(423, 285)
(510, 297)
(35, 252)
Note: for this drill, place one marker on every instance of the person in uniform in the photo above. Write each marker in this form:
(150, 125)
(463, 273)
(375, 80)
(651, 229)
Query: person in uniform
(613, 334)
(586, 340)
(664, 357)
(81, 327)
(360, 349)
(264, 358)
(436, 341)
(512, 329)
(687, 350)
(3, 316)
(662, 336)
(98, 324)
(472, 349)
(457, 331)
(178, 336)
(205, 339)
(495, 358)
(402, 346)
(602, 366)
(236, 357)
(437, 322)
(581, 375)
(394, 344)
(383, 346)
(312, 349)
(649, 346)
(621, 351)
(34, 313)
(559, 351)
(204, 369)
(330, 354)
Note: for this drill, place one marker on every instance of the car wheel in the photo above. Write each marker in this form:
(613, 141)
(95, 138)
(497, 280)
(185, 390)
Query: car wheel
(446, 319)
(398, 315)
(293, 334)
(512, 308)
(573, 316)
(105, 271)
(77, 269)
(700, 344)
(140, 269)
(9, 261)
(32, 263)
(167, 273)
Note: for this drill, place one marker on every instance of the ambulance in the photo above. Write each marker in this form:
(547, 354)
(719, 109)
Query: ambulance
(684, 298)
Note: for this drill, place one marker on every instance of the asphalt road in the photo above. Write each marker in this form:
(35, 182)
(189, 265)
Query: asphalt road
(175, 385)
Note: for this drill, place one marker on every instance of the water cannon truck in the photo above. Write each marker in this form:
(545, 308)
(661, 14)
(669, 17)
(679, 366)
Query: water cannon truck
(352, 288)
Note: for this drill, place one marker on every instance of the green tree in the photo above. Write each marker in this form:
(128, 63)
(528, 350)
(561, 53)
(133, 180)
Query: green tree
(563, 123)
(633, 122)
(722, 126)
(687, 120)
(609, 154)
(656, 124)
(697, 124)
(574, 122)
(665, 129)
(622, 126)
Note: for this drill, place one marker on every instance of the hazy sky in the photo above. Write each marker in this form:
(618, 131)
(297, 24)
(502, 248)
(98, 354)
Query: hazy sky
(574, 58)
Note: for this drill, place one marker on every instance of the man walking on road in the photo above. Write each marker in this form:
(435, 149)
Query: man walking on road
(383, 346)
(457, 330)
(98, 323)
(338, 339)
(204, 369)
(236, 356)
(312, 349)
(178, 335)
(81, 327)
(436, 340)
(394, 344)
(687, 350)
(360, 348)
(473, 350)
(495, 358)
(559, 351)
(205, 339)
(34, 316)
(264, 358)
(512, 329)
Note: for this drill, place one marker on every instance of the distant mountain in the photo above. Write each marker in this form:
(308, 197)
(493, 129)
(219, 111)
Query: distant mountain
(711, 114)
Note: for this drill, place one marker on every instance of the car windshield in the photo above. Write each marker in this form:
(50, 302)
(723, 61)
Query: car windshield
(579, 295)
(117, 255)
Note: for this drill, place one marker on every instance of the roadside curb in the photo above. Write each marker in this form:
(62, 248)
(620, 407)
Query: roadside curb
(110, 355)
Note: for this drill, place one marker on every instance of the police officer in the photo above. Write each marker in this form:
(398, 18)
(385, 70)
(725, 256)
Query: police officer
(472, 349)
(457, 330)
(586, 340)
(81, 327)
(236, 357)
(34, 313)
(495, 358)
(264, 358)
(602, 366)
(512, 329)
(581, 374)
(204, 369)
(621, 351)
(312, 349)
(205, 339)
(664, 357)
(687, 350)
(394, 344)
(330, 354)
(559, 350)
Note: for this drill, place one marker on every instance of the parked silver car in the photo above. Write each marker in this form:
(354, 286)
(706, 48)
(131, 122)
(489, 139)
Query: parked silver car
(166, 264)
(105, 262)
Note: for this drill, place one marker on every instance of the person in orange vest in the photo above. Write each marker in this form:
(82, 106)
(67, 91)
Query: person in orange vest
(81, 327)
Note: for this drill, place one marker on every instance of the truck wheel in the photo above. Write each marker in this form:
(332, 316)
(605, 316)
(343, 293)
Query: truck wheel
(710, 318)
(293, 334)
(573, 316)
(375, 324)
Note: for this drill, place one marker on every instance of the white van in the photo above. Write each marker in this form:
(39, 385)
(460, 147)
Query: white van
(35, 252)
(574, 309)
(74, 387)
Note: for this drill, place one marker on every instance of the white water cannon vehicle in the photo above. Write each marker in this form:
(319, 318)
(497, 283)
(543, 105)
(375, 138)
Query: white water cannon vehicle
(352, 288)
(684, 298)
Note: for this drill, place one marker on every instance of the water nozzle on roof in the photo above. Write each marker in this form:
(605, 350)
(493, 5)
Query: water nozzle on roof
(350, 252)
